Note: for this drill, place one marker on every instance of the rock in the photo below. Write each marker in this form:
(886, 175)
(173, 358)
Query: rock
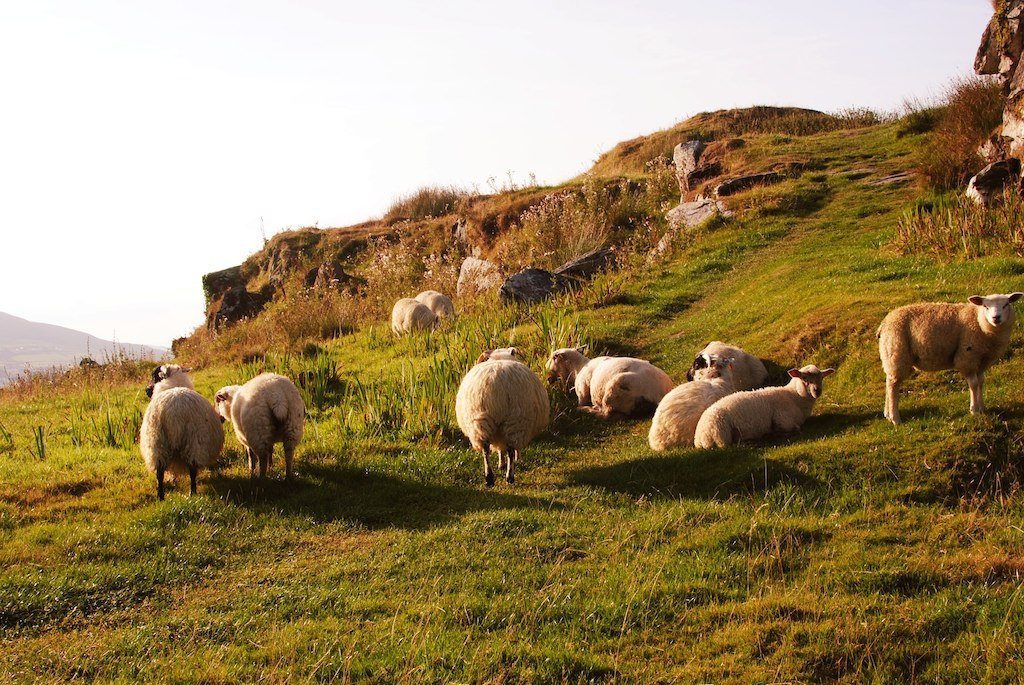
(1000, 54)
(332, 276)
(689, 214)
(236, 304)
(894, 179)
(686, 157)
(741, 183)
(988, 184)
(586, 266)
(530, 286)
(478, 276)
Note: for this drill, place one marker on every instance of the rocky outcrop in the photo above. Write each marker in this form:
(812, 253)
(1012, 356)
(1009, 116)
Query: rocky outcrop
(587, 266)
(332, 276)
(686, 158)
(228, 300)
(689, 214)
(988, 184)
(740, 183)
(530, 286)
(478, 276)
(1000, 54)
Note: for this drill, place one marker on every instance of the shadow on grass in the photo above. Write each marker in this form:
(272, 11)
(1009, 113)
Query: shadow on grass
(372, 499)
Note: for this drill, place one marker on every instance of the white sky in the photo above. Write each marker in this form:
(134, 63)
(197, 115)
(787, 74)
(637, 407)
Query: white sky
(141, 143)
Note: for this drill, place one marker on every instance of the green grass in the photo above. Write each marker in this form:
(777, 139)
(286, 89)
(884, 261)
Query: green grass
(852, 551)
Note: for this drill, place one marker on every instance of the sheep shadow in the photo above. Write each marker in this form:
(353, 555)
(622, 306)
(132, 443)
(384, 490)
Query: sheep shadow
(372, 499)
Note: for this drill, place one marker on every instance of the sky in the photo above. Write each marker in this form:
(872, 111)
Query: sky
(144, 144)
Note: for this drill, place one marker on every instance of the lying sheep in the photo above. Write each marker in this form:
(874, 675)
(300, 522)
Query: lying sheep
(438, 303)
(569, 365)
(968, 337)
(507, 353)
(181, 433)
(167, 376)
(609, 386)
(409, 315)
(756, 413)
(501, 404)
(748, 372)
(675, 419)
(266, 410)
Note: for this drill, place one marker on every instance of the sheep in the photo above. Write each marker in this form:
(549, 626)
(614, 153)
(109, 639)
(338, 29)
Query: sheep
(609, 386)
(569, 365)
(266, 410)
(756, 413)
(748, 372)
(409, 315)
(181, 433)
(501, 404)
(675, 419)
(167, 376)
(506, 353)
(439, 303)
(968, 337)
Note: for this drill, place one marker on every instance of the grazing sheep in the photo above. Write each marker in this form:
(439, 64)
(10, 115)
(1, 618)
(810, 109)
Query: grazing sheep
(968, 337)
(675, 419)
(501, 404)
(439, 303)
(507, 353)
(569, 365)
(748, 371)
(266, 410)
(167, 376)
(181, 433)
(756, 413)
(409, 315)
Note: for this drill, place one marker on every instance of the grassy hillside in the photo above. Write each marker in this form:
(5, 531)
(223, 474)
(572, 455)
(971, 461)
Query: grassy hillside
(852, 551)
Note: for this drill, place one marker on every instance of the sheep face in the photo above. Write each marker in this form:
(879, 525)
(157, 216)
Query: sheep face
(811, 378)
(162, 373)
(717, 367)
(564, 363)
(222, 401)
(997, 309)
(511, 354)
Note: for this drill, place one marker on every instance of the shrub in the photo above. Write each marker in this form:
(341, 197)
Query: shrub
(428, 202)
(974, 108)
(957, 227)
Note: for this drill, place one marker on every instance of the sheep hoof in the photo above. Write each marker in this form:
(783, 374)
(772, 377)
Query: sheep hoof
(510, 479)
(490, 480)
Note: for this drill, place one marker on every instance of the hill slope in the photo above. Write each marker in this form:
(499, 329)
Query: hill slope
(853, 551)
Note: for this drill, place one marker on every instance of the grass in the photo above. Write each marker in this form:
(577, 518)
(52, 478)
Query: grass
(853, 551)
(957, 227)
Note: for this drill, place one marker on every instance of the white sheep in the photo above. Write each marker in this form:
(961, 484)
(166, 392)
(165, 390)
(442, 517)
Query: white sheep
(507, 353)
(570, 366)
(439, 303)
(933, 336)
(501, 404)
(609, 386)
(181, 433)
(675, 419)
(756, 413)
(167, 376)
(265, 411)
(748, 372)
(409, 315)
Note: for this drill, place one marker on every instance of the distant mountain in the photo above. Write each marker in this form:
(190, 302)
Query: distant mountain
(27, 345)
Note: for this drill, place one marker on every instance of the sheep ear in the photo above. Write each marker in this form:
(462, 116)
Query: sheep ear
(220, 397)
(1015, 296)
(583, 349)
(795, 373)
(976, 299)
(827, 372)
(187, 369)
(484, 356)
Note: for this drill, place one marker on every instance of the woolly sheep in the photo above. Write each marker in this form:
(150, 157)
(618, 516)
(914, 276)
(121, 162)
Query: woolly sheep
(968, 337)
(439, 303)
(748, 372)
(675, 419)
(507, 353)
(625, 386)
(756, 413)
(409, 315)
(167, 376)
(266, 410)
(181, 433)
(501, 404)
(569, 365)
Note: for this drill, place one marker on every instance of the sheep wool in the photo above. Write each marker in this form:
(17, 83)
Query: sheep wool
(623, 386)
(756, 413)
(167, 376)
(409, 315)
(507, 353)
(748, 372)
(439, 303)
(933, 336)
(501, 404)
(675, 419)
(181, 433)
(265, 411)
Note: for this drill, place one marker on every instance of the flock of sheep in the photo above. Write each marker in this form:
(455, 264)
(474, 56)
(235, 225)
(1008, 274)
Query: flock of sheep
(502, 405)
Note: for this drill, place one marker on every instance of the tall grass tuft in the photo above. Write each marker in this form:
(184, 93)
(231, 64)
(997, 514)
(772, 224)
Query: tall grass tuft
(39, 440)
(6, 439)
(957, 227)
(428, 202)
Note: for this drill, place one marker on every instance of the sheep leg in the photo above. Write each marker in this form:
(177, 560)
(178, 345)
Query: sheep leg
(892, 399)
(160, 483)
(264, 463)
(501, 460)
(289, 455)
(510, 465)
(976, 382)
(488, 474)
(251, 456)
(193, 473)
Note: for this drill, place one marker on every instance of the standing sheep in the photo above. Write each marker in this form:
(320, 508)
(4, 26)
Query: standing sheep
(968, 337)
(266, 410)
(438, 303)
(748, 372)
(167, 376)
(501, 404)
(756, 413)
(181, 433)
(675, 419)
(409, 315)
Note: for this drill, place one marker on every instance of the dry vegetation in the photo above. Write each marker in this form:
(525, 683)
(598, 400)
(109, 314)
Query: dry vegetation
(956, 227)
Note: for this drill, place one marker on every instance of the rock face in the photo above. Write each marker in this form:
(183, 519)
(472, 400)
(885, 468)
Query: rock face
(694, 213)
(332, 276)
(988, 184)
(1000, 54)
(740, 183)
(530, 286)
(228, 300)
(586, 266)
(686, 157)
(478, 276)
